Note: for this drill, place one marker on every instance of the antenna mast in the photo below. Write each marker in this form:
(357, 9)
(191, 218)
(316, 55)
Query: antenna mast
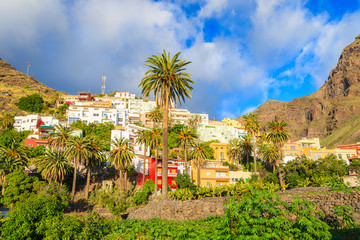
(103, 84)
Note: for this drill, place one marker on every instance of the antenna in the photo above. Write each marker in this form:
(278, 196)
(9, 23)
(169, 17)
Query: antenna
(103, 84)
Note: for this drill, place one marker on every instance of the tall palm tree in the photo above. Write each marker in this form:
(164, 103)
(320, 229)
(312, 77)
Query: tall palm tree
(120, 157)
(12, 156)
(6, 121)
(53, 165)
(235, 149)
(168, 81)
(143, 138)
(247, 148)
(95, 158)
(252, 127)
(198, 155)
(156, 115)
(270, 155)
(278, 135)
(185, 138)
(61, 137)
(154, 143)
(79, 150)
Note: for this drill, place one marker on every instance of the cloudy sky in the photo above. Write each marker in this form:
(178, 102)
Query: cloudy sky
(243, 52)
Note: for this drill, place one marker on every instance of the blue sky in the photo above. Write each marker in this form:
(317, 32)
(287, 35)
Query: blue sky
(243, 52)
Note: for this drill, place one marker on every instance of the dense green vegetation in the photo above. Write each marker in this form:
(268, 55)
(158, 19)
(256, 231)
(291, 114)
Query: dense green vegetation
(33, 103)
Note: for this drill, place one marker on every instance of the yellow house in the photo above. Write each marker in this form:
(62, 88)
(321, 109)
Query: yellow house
(220, 152)
(212, 173)
(292, 148)
(217, 123)
(232, 123)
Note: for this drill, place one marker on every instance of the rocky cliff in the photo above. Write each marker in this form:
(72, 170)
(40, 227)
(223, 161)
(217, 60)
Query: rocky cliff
(15, 84)
(325, 112)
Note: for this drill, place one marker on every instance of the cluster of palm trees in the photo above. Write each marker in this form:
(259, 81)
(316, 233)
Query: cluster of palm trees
(268, 146)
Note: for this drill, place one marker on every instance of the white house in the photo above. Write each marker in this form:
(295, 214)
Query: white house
(89, 114)
(23, 123)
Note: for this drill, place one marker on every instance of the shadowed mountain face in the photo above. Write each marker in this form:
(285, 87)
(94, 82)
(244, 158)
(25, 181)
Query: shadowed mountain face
(15, 84)
(330, 113)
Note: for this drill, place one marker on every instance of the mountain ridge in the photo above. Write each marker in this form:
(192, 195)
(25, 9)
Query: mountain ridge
(328, 109)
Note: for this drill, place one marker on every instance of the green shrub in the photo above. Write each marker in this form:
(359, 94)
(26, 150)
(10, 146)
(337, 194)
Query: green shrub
(23, 222)
(32, 103)
(262, 215)
(271, 178)
(340, 186)
(185, 181)
(140, 198)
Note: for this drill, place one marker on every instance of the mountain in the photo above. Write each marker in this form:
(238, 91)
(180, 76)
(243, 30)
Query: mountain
(15, 84)
(331, 113)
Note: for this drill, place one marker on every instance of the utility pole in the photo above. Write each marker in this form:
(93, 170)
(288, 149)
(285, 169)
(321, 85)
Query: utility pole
(28, 67)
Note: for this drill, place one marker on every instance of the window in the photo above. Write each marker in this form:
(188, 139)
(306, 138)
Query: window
(290, 154)
(30, 145)
(208, 183)
(95, 114)
(159, 181)
(292, 147)
(222, 148)
(219, 184)
(315, 157)
(222, 155)
(207, 173)
(319, 156)
(340, 156)
(347, 156)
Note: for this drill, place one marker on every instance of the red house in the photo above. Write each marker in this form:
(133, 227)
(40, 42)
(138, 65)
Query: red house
(84, 96)
(33, 143)
(172, 173)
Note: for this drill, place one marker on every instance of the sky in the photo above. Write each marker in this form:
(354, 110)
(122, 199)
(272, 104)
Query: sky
(242, 52)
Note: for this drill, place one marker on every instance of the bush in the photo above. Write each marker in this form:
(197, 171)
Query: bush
(23, 222)
(271, 178)
(262, 215)
(33, 103)
(185, 181)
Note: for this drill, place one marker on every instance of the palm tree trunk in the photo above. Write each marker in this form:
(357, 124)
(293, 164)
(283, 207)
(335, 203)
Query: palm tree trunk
(156, 171)
(198, 173)
(74, 181)
(143, 178)
(185, 159)
(3, 190)
(254, 153)
(280, 173)
(247, 161)
(164, 177)
(125, 180)
(87, 183)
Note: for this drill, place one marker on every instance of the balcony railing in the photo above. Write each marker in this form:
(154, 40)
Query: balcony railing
(169, 174)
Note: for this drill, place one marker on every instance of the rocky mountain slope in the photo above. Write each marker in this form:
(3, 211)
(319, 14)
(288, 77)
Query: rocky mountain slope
(332, 112)
(15, 84)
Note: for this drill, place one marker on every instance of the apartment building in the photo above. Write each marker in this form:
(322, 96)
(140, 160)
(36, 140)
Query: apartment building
(232, 123)
(92, 114)
(28, 123)
(220, 152)
(212, 173)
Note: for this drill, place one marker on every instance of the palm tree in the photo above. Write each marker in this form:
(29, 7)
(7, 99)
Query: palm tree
(168, 81)
(185, 138)
(95, 159)
(194, 121)
(235, 149)
(53, 165)
(120, 156)
(270, 155)
(247, 148)
(252, 127)
(12, 156)
(79, 150)
(198, 155)
(6, 121)
(143, 138)
(61, 137)
(155, 138)
(278, 135)
(156, 115)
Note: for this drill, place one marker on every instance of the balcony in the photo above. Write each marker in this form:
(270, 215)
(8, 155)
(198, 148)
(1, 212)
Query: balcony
(169, 174)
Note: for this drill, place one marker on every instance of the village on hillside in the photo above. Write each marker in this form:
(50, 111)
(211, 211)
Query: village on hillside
(130, 114)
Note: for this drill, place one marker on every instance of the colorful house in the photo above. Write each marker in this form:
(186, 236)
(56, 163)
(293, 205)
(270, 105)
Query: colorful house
(172, 173)
(212, 173)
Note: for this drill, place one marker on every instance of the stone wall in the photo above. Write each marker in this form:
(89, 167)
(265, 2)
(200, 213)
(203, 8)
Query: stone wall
(202, 208)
